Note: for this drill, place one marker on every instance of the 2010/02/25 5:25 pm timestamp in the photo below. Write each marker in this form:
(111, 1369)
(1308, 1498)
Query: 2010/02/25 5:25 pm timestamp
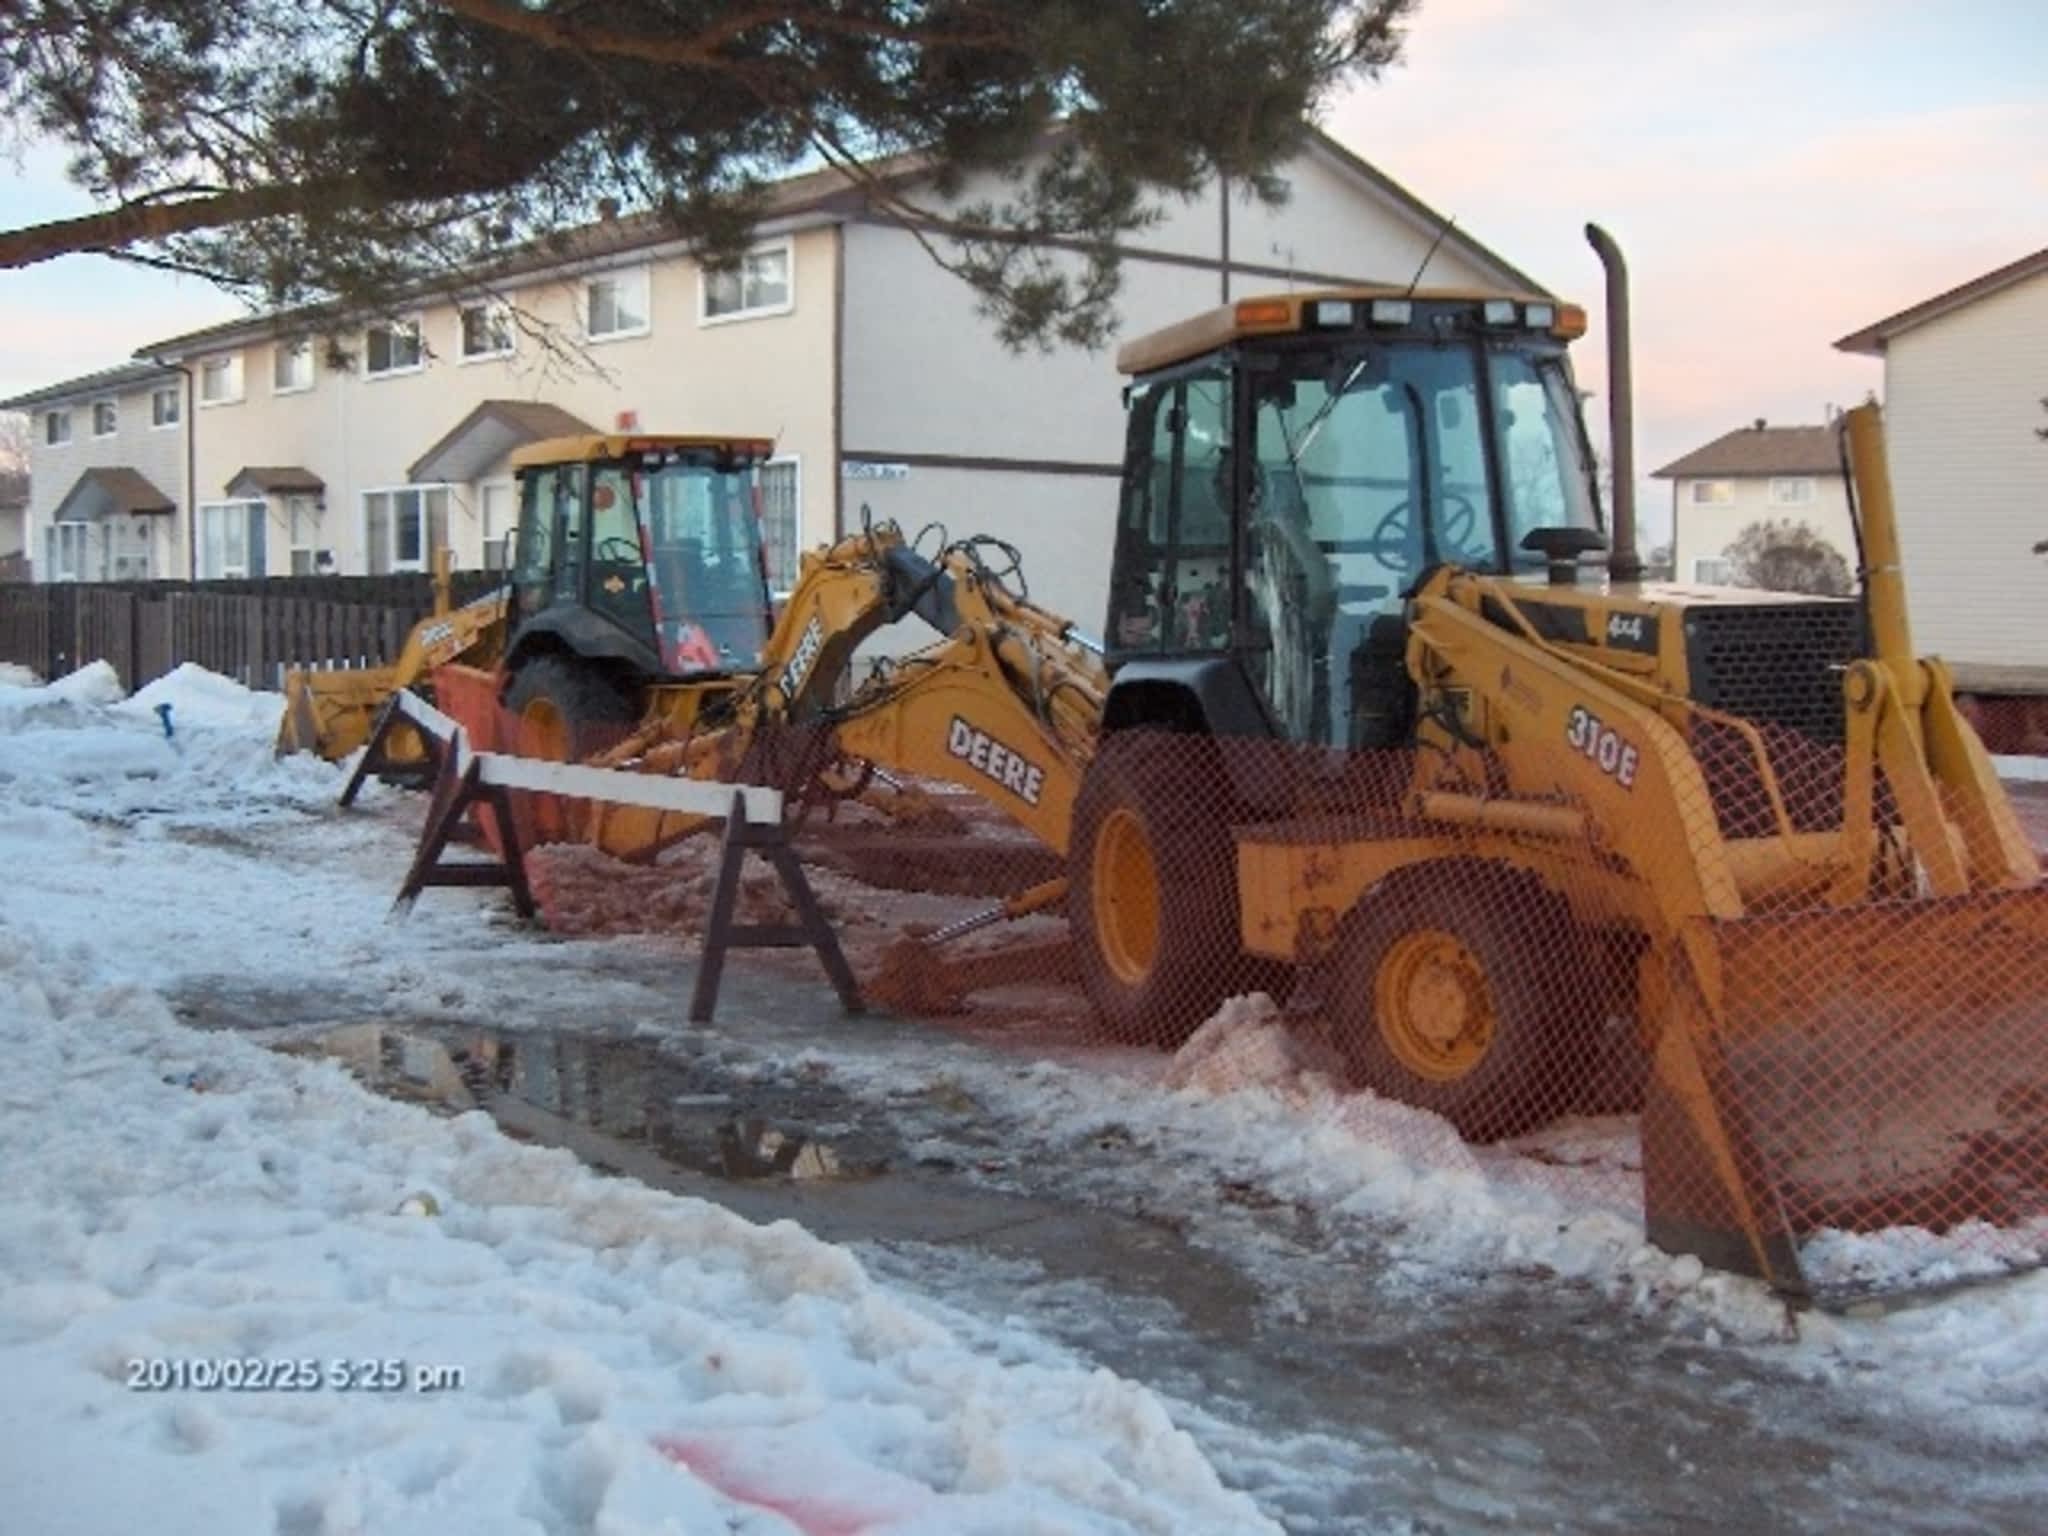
(255, 1373)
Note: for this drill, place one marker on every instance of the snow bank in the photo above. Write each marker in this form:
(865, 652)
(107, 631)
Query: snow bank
(93, 685)
(79, 745)
(207, 700)
(629, 1360)
(13, 675)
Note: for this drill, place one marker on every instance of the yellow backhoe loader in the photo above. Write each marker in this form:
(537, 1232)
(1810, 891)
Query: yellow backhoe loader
(1375, 720)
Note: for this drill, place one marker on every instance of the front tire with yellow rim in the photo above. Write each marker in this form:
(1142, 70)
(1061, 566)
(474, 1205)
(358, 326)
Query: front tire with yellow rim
(1152, 888)
(1454, 989)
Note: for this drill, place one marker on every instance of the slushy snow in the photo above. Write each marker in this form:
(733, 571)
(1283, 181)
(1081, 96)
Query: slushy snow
(239, 1293)
(634, 1361)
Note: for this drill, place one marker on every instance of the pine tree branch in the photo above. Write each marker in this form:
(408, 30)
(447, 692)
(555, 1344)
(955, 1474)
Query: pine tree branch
(149, 218)
(704, 49)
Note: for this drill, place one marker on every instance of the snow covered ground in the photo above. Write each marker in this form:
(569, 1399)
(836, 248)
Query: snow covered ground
(240, 1203)
(243, 1294)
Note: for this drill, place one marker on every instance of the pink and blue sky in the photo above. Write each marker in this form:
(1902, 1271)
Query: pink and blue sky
(1779, 173)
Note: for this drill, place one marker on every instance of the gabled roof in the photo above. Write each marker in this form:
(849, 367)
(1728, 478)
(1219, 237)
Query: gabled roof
(88, 385)
(1760, 450)
(114, 490)
(1873, 338)
(488, 433)
(275, 480)
(822, 196)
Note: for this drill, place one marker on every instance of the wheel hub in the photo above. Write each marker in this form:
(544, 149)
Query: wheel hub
(1433, 1006)
(1125, 885)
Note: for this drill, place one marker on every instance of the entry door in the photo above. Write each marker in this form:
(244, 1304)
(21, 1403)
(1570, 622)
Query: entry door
(495, 498)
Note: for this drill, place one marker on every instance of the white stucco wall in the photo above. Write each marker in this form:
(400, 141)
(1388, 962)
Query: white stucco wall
(1962, 405)
(926, 374)
(768, 376)
(157, 453)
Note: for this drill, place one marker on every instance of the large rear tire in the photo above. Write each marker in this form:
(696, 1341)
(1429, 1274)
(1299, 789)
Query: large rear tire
(1152, 888)
(1456, 989)
(566, 710)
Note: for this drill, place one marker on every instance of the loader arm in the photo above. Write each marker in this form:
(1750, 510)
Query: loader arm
(1005, 705)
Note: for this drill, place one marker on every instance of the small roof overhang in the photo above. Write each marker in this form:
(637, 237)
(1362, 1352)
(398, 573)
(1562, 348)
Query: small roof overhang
(276, 480)
(110, 491)
(484, 437)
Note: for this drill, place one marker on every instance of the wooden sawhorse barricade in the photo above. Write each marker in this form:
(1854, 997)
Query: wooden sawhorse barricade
(752, 817)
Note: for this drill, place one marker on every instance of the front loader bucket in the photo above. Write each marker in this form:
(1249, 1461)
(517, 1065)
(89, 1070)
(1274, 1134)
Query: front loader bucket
(331, 713)
(1835, 1075)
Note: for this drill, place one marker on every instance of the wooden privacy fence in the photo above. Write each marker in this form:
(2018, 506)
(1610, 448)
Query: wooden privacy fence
(252, 631)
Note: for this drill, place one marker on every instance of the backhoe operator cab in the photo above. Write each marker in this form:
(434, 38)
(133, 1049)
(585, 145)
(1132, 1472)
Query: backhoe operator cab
(642, 554)
(1296, 464)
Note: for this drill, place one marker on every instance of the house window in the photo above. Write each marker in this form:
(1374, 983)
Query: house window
(291, 366)
(1792, 491)
(220, 380)
(1713, 493)
(401, 525)
(56, 428)
(486, 332)
(230, 539)
(781, 522)
(393, 347)
(760, 285)
(165, 407)
(1715, 572)
(106, 418)
(616, 305)
(302, 524)
(68, 544)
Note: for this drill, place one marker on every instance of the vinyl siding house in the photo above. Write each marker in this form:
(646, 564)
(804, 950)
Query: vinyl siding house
(883, 387)
(106, 475)
(1755, 474)
(1964, 377)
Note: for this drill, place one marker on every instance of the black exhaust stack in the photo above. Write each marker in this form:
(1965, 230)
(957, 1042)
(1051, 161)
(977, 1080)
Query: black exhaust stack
(1624, 563)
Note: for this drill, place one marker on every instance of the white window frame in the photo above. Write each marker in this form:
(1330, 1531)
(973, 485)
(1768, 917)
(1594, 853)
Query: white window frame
(419, 334)
(787, 247)
(230, 570)
(57, 428)
(82, 546)
(795, 463)
(158, 422)
(279, 351)
(1793, 491)
(232, 364)
(113, 408)
(640, 275)
(394, 565)
(496, 315)
(1713, 571)
(1720, 493)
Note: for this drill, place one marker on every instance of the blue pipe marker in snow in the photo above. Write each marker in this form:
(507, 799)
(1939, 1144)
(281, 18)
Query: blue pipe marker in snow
(163, 713)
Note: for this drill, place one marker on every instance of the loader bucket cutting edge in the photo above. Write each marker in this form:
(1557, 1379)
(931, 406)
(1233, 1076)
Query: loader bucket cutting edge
(1866, 1111)
(331, 714)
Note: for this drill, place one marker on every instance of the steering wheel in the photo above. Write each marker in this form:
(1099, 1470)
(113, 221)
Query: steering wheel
(618, 550)
(1390, 542)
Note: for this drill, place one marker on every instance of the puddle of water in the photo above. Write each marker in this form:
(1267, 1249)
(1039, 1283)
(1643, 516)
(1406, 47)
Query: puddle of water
(627, 1089)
